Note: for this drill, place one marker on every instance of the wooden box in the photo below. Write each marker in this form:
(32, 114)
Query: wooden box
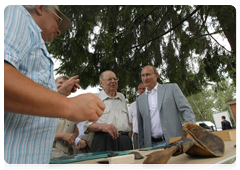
(226, 135)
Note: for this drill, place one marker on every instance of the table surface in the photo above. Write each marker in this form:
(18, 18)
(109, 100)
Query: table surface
(230, 151)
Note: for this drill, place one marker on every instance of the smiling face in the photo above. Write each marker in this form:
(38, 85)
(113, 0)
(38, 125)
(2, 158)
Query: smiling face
(48, 23)
(109, 86)
(149, 78)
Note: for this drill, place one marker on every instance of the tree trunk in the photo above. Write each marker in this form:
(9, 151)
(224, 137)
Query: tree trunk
(227, 20)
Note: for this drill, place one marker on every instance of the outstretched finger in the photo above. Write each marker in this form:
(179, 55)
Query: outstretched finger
(74, 77)
(76, 85)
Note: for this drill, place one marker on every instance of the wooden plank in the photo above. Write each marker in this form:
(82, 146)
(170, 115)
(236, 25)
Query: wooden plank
(171, 140)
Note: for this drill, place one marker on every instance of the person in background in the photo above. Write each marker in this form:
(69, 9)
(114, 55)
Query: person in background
(112, 129)
(31, 100)
(225, 124)
(133, 117)
(66, 131)
(158, 111)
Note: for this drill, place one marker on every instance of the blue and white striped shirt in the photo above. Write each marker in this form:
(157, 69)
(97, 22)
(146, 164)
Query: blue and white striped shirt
(27, 139)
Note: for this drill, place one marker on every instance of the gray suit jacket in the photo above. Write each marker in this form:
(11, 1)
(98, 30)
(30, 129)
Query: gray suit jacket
(171, 104)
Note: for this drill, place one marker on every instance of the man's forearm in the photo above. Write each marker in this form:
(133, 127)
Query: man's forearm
(95, 127)
(24, 96)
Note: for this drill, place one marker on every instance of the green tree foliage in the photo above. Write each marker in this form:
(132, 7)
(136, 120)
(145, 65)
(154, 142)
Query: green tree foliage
(223, 92)
(202, 104)
(212, 100)
(124, 39)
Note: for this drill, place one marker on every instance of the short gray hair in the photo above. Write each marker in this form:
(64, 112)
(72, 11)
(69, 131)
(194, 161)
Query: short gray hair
(33, 7)
(101, 76)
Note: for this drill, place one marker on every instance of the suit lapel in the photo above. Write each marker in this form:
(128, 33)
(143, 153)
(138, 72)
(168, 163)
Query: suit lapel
(144, 104)
(161, 91)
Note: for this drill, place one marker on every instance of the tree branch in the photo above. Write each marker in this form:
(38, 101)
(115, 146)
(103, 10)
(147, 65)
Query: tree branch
(169, 9)
(213, 37)
(200, 6)
(218, 42)
(194, 37)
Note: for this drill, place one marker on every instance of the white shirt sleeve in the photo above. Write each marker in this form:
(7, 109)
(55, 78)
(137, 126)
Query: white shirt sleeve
(81, 132)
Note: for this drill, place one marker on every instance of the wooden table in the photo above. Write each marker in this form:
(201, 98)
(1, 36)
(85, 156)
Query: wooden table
(228, 157)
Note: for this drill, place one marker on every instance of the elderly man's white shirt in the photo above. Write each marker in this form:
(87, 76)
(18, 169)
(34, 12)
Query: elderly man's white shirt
(115, 113)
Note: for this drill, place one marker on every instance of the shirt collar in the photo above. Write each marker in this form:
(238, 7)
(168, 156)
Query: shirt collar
(105, 96)
(152, 91)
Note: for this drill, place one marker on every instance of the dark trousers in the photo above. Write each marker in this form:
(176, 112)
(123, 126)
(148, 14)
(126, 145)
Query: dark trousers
(135, 140)
(103, 142)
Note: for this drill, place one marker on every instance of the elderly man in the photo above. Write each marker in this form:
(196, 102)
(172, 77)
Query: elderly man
(112, 128)
(31, 99)
(158, 111)
(133, 117)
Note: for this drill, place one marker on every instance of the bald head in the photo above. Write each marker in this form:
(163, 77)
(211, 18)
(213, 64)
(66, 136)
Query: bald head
(101, 77)
(109, 82)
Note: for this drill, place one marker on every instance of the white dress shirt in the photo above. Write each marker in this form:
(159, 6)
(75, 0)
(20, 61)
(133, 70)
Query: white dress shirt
(133, 116)
(115, 113)
(156, 128)
(81, 132)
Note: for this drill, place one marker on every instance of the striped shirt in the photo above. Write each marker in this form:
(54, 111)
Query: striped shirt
(27, 139)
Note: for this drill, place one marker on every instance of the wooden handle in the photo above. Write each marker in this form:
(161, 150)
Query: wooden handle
(161, 157)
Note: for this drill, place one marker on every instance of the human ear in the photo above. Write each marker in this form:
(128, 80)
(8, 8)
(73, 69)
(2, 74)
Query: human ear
(39, 9)
(100, 83)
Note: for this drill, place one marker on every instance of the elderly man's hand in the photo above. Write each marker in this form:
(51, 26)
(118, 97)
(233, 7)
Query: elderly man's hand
(81, 144)
(68, 138)
(70, 86)
(109, 128)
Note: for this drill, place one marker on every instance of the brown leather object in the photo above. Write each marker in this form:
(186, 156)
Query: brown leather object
(195, 141)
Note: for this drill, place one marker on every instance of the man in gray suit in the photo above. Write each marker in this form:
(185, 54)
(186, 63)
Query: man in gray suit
(158, 111)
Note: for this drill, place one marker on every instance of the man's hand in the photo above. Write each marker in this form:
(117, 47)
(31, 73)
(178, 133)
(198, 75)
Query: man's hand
(68, 138)
(108, 128)
(70, 86)
(111, 129)
(76, 131)
(85, 107)
(31, 98)
(81, 144)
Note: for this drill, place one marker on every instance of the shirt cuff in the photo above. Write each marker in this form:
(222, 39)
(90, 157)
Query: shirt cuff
(77, 140)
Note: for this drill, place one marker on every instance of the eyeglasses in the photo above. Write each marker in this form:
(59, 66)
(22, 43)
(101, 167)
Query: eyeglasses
(60, 19)
(111, 79)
